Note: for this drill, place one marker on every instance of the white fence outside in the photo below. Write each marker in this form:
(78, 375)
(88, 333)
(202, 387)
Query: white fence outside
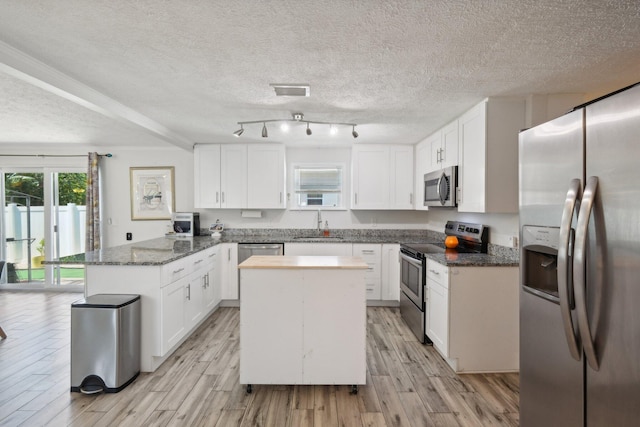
(71, 227)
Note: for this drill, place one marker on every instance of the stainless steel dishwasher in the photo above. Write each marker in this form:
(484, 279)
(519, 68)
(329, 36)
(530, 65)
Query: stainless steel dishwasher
(245, 250)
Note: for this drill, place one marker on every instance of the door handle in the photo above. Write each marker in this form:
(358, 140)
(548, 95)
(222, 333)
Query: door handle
(189, 291)
(579, 279)
(217, 196)
(565, 284)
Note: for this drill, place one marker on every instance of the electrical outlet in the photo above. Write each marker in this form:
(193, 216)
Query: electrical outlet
(129, 236)
(514, 241)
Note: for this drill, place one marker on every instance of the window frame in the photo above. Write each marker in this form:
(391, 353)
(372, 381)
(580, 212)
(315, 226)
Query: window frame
(293, 196)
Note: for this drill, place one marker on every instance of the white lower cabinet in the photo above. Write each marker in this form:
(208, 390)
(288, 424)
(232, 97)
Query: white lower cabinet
(383, 275)
(175, 299)
(212, 293)
(390, 283)
(371, 254)
(172, 307)
(472, 316)
(229, 271)
(194, 300)
(438, 310)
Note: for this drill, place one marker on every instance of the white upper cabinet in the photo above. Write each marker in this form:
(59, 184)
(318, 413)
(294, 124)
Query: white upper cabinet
(206, 176)
(233, 176)
(401, 194)
(443, 147)
(370, 171)
(266, 176)
(382, 177)
(239, 176)
(450, 141)
(488, 151)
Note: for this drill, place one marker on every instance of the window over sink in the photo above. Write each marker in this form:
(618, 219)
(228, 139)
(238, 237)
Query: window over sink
(318, 186)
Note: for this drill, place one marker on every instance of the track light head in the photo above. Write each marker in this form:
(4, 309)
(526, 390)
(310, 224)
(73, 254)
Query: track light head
(238, 132)
(308, 129)
(264, 130)
(354, 133)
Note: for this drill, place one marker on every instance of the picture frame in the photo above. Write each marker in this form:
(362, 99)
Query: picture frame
(152, 192)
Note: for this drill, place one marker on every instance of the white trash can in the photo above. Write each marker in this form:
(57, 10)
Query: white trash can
(105, 343)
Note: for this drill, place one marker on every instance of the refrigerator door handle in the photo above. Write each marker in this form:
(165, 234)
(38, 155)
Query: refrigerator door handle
(565, 288)
(579, 279)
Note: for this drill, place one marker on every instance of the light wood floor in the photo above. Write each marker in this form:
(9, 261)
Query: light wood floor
(408, 384)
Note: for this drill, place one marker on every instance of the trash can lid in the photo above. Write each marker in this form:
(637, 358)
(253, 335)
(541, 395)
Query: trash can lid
(106, 301)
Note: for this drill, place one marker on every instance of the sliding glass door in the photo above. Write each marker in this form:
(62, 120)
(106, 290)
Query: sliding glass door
(68, 217)
(43, 218)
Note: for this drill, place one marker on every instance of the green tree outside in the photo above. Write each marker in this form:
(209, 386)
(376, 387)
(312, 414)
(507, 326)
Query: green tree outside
(72, 187)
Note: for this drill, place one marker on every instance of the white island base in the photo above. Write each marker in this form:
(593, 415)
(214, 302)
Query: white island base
(303, 320)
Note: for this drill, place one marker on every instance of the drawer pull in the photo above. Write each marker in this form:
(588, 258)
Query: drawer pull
(434, 272)
(178, 270)
(198, 261)
(212, 255)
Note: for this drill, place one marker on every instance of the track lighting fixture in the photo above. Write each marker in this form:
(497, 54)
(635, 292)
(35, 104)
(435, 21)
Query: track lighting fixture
(296, 117)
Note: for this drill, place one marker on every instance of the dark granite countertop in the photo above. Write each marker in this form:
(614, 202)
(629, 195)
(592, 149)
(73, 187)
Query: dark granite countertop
(164, 250)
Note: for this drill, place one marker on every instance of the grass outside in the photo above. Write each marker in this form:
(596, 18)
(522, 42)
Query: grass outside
(38, 273)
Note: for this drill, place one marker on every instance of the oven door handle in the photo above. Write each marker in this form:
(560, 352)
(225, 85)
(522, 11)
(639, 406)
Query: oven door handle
(411, 260)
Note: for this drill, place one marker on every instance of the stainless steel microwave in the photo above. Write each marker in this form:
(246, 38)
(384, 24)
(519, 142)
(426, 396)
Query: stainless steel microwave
(440, 187)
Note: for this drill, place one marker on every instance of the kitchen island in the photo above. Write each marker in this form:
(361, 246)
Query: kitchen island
(303, 320)
(176, 281)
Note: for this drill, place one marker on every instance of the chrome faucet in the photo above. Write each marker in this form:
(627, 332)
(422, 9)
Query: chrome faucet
(319, 220)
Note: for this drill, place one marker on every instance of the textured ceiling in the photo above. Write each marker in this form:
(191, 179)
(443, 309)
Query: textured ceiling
(399, 69)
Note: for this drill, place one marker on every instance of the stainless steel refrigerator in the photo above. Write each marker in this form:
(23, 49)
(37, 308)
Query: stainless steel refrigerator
(580, 266)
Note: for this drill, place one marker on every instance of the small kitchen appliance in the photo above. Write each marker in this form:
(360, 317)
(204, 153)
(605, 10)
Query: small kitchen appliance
(472, 238)
(186, 224)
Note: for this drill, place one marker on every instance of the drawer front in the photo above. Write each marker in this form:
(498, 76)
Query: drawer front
(368, 252)
(199, 261)
(373, 287)
(438, 273)
(175, 271)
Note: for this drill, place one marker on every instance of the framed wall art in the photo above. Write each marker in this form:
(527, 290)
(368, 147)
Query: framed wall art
(152, 192)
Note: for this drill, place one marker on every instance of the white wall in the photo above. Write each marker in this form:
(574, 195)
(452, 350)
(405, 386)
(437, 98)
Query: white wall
(116, 194)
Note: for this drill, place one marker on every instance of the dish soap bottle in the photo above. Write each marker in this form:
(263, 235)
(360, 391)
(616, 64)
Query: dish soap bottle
(326, 229)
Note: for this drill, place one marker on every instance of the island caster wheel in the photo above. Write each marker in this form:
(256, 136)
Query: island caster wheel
(354, 389)
(249, 389)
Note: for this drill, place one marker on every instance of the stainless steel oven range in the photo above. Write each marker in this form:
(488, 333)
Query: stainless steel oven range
(472, 238)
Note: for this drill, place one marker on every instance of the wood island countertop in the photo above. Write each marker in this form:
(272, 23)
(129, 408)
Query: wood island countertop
(304, 262)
